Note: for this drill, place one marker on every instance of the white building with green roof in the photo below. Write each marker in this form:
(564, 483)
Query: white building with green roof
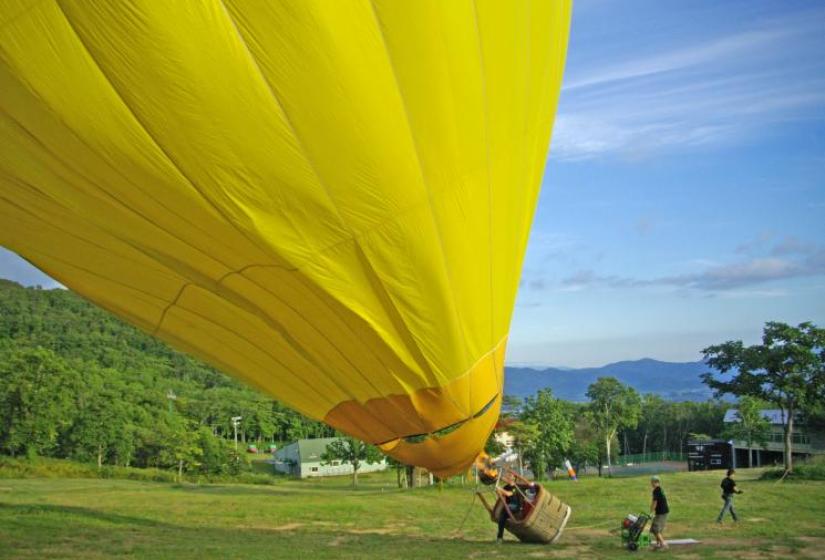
(303, 459)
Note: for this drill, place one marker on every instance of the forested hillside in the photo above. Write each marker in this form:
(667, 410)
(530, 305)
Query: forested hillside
(77, 382)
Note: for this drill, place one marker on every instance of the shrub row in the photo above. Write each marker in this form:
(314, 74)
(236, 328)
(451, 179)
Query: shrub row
(43, 467)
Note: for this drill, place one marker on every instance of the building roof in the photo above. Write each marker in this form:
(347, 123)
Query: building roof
(310, 450)
(772, 415)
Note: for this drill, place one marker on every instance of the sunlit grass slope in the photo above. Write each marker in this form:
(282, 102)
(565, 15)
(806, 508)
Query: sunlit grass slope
(88, 518)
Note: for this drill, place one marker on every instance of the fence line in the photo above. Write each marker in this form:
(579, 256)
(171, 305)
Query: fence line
(652, 457)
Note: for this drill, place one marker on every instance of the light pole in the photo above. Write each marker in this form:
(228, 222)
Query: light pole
(171, 396)
(236, 421)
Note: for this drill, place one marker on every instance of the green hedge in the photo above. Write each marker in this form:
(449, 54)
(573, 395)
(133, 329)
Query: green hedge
(43, 467)
(811, 469)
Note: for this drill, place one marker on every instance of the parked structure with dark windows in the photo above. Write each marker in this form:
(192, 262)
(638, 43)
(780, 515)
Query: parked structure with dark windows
(806, 441)
(710, 454)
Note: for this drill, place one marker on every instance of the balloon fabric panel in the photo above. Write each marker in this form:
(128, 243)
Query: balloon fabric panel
(328, 200)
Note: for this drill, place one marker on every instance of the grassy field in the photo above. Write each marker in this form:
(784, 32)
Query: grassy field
(88, 518)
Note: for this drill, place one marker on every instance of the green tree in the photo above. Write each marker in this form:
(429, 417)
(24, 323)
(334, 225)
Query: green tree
(35, 400)
(786, 369)
(101, 427)
(612, 407)
(215, 456)
(653, 421)
(750, 425)
(511, 405)
(77, 382)
(585, 448)
(353, 451)
(180, 445)
(553, 432)
(493, 447)
(524, 435)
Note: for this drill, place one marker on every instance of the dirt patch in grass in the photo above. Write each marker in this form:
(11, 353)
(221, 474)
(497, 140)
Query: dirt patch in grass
(730, 542)
(339, 540)
(763, 554)
(391, 529)
(574, 551)
(812, 548)
(287, 527)
(580, 532)
(375, 531)
(270, 528)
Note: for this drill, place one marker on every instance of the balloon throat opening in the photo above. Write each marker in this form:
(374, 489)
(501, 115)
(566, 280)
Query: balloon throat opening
(418, 438)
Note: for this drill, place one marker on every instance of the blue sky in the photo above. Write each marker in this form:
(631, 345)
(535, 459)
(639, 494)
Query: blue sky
(684, 198)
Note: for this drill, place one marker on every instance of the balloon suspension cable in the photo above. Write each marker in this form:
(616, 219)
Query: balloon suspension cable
(467, 513)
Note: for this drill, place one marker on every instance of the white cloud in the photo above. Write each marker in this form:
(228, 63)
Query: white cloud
(721, 91)
(678, 58)
(798, 260)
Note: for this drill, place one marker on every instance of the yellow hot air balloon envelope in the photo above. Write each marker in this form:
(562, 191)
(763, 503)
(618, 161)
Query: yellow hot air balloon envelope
(329, 200)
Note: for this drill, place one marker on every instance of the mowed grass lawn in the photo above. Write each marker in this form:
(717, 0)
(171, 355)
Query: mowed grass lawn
(92, 518)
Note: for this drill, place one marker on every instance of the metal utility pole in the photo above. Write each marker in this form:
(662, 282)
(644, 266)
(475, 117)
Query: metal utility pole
(236, 421)
(171, 396)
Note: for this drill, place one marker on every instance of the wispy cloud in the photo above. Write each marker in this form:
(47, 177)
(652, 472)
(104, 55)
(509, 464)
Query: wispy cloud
(797, 260)
(678, 58)
(717, 91)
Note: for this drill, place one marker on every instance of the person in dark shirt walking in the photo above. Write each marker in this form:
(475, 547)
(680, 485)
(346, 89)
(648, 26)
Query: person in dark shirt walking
(659, 509)
(728, 490)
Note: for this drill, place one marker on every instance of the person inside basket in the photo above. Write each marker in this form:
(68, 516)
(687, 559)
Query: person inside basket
(728, 490)
(659, 510)
(508, 495)
(517, 500)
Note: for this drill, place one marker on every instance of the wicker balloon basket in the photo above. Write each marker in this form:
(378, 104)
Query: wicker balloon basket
(540, 521)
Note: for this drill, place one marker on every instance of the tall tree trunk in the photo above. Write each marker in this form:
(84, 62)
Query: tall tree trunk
(664, 437)
(788, 442)
(607, 448)
(355, 466)
(99, 456)
(644, 446)
(180, 470)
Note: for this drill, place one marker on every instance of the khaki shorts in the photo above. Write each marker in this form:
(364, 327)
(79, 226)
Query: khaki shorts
(659, 523)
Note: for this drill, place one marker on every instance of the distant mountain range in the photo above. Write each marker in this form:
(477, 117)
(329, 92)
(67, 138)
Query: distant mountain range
(672, 381)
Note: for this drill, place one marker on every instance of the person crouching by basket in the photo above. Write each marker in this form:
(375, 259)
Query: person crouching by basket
(659, 510)
(507, 494)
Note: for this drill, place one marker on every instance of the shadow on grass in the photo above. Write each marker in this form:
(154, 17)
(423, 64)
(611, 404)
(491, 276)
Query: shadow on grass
(73, 532)
(39, 509)
(270, 491)
(231, 490)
